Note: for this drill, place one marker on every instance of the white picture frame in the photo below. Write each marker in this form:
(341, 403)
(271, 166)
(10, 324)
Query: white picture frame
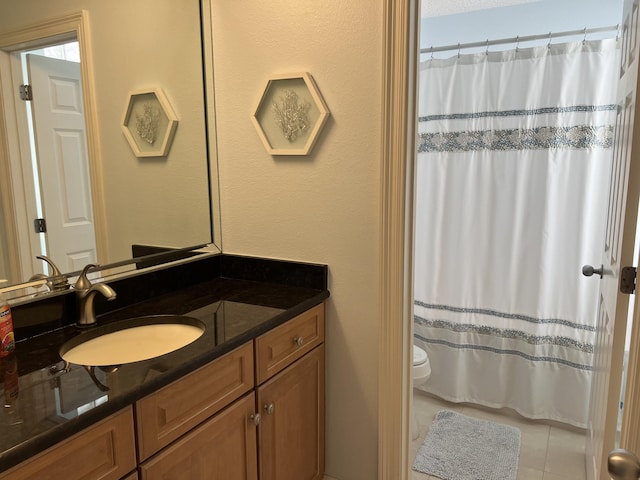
(290, 114)
(149, 123)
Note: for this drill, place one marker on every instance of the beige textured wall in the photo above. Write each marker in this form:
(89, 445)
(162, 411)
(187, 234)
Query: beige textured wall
(320, 208)
(158, 200)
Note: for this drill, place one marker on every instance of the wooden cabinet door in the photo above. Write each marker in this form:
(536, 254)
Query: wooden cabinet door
(104, 451)
(291, 433)
(222, 448)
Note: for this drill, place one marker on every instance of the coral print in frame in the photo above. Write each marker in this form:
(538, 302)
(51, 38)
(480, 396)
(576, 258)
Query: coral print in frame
(290, 114)
(149, 123)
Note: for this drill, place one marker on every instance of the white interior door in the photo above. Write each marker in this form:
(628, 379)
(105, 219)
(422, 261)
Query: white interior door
(63, 165)
(618, 252)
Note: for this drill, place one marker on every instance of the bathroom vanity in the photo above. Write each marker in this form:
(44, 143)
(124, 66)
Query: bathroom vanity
(244, 399)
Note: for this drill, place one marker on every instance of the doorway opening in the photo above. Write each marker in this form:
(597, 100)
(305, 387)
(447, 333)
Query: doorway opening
(436, 313)
(58, 69)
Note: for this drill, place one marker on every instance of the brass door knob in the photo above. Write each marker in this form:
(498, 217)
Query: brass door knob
(623, 465)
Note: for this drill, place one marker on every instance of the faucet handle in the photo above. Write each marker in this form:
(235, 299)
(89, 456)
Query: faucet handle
(83, 283)
(40, 276)
(57, 280)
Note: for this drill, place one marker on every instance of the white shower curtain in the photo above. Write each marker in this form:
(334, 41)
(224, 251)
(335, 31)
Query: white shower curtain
(512, 179)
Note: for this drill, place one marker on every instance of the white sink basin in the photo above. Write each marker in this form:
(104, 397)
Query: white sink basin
(132, 340)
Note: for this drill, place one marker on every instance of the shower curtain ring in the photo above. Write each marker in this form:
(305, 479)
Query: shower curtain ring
(584, 39)
(617, 31)
(458, 49)
(549, 44)
(431, 52)
(487, 50)
(517, 43)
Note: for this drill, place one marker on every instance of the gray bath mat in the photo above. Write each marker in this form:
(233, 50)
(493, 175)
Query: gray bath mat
(458, 447)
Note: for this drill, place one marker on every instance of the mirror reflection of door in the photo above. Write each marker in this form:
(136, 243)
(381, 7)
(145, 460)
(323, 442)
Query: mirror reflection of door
(58, 162)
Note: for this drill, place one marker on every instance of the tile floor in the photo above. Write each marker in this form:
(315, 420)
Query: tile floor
(547, 452)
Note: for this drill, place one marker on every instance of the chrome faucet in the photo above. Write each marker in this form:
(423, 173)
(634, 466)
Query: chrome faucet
(85, 293)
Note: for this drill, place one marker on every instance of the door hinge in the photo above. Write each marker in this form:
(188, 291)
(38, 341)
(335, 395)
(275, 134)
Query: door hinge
(40, 225)
(26, 93)
(628, 280)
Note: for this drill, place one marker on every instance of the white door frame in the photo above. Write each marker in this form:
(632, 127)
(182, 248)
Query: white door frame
(75, 26)
(396, 235)
(396, 251)
(10, 241)
(22, 172)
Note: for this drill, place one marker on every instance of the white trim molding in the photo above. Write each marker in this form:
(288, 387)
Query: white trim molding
(398, 154)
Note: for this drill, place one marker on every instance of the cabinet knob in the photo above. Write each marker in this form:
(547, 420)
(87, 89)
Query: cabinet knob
(269, 409)
(255, 418)
(298, 341)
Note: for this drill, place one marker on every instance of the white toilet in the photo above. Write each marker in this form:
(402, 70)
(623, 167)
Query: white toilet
(421, 373)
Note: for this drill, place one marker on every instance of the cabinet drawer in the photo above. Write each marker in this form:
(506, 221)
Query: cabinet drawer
(104, 451)
(283, 345)
(175, 409)
(222, 448)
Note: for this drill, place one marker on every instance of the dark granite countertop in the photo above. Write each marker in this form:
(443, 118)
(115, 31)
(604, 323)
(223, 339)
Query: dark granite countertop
(46, 403)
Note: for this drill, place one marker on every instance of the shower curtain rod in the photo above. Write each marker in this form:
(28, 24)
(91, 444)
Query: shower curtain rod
(516, 40)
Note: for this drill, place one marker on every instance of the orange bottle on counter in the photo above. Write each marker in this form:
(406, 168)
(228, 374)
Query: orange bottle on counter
(7, 340)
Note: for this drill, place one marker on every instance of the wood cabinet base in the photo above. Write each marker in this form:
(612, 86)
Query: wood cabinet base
(223, 448)
(104, 451)
(291, 433)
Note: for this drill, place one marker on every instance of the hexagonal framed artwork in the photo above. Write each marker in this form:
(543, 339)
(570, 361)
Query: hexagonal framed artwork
(149, 123)
(290, 114)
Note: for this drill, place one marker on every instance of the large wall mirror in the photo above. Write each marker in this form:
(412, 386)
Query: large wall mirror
(63, 155)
